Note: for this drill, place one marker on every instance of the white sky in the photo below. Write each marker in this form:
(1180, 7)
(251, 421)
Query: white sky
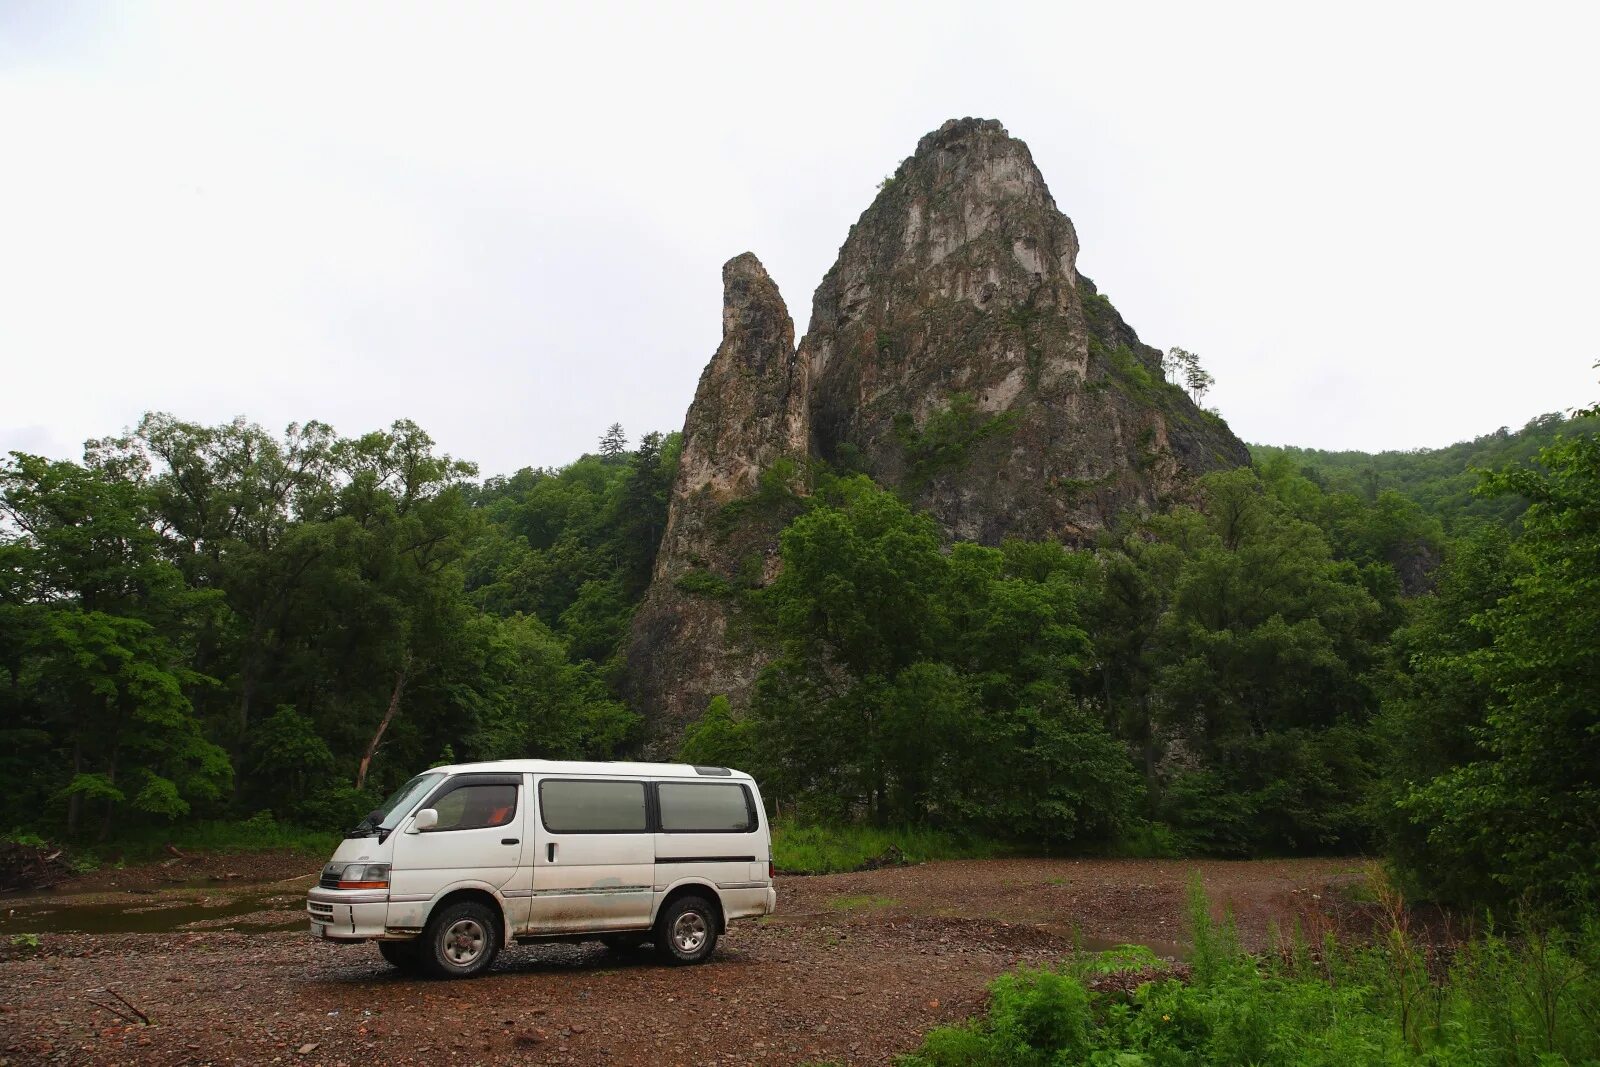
(1376, 224)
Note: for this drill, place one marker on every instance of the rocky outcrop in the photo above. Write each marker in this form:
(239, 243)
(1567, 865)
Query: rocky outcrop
(954, 354)
(746, 429)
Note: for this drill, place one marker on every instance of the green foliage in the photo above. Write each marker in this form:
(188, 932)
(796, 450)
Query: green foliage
(704, 583)
(261, 832)
(1499, 1001)
(718, 739)
(198, 621)
(1443, 482)
(946, 438)
(809, 848)
(1231, 630)
(1502, 805)
(908, 673)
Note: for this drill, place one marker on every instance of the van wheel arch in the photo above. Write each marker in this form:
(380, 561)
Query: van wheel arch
(694, 889)
(480, 896)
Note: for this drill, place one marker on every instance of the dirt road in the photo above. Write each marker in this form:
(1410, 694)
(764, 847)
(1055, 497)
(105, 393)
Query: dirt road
(853, 969)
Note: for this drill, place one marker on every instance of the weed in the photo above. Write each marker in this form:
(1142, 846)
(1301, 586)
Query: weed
(802, 849)
(862, 902)
(1529, 1000)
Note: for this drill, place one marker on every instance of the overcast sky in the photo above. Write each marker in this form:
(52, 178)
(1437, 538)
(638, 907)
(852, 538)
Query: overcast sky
(1377, 225)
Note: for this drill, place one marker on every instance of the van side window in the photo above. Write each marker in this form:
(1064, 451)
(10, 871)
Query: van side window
(705, 808)
(593, 807)
(473, 807)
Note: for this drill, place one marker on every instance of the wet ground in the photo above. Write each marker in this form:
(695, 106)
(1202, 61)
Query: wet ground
(853, 969)
(249, 912)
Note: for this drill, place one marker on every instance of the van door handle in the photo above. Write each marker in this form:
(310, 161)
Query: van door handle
(550, 852)
(511, 840)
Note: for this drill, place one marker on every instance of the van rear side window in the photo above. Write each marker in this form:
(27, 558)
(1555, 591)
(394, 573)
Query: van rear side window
(705, 808)
(593, 807)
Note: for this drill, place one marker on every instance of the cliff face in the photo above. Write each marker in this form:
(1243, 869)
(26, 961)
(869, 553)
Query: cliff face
(956, 355)
(747, 419)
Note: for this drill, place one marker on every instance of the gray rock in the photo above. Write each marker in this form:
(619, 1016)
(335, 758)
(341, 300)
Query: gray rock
(956, 355)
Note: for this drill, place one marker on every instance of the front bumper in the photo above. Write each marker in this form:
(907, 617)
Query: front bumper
(347, 914)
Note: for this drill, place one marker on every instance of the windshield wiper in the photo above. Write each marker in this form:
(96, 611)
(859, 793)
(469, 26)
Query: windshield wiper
(368, 826)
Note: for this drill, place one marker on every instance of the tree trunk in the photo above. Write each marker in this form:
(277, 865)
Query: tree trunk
(105, 820)
(75, 801)
(383, 724)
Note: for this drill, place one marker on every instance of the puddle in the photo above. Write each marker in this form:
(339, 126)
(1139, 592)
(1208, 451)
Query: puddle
(249, 913)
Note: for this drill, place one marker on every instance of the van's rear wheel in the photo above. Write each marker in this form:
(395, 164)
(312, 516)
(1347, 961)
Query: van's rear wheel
(686, 931)
(461, 940)
(403, 954)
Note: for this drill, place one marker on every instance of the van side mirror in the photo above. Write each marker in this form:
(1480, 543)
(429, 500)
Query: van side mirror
(426, 819)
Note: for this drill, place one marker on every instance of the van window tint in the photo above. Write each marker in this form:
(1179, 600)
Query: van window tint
(705, 808)
(475, 806)
(594, 807)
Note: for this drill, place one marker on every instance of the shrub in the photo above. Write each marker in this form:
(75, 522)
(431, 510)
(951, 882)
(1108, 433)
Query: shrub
(1499, 1001)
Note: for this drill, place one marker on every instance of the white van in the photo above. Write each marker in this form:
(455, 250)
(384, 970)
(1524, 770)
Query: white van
(462, 859)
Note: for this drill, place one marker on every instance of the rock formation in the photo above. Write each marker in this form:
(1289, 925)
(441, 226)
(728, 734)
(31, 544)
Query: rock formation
(956, 355)
(747, 422)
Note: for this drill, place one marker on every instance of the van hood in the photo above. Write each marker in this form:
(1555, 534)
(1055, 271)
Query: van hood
(363, 849)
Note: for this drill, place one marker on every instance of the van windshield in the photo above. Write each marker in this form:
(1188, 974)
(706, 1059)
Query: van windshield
(386, 816)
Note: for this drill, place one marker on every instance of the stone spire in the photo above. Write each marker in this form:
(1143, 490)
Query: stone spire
(749, 413)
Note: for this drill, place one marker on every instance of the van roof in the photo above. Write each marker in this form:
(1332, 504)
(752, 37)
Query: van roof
(553, 766)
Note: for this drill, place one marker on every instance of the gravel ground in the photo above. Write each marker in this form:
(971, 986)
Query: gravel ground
(854, 968)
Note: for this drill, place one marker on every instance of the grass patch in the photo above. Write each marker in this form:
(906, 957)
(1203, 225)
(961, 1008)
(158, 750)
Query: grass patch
(259, 833)
(809, 849)
(1492, 1000)
(1145, 840)
(862, 902)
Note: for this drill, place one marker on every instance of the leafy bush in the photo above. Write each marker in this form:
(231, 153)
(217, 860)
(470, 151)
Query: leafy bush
(259, 833)
(1500, 1001)
(813, 849)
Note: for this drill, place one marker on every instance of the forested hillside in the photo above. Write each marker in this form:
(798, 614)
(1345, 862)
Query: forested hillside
(211, 622)
(1444, 481)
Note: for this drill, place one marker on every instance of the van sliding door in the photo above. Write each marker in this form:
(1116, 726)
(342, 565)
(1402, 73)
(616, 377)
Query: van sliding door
(594, 856)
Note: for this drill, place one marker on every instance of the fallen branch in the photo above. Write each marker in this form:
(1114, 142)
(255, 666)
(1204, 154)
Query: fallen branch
(122, 1012)
(142, 1016)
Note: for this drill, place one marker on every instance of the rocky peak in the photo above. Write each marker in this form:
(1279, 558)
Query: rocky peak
(748, 415)
(748, 412)
(954, 354)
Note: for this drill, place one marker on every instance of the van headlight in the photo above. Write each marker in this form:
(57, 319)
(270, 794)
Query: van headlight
(358, 875)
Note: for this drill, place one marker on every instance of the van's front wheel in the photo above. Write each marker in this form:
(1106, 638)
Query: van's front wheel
(461, 940)
(686, 932)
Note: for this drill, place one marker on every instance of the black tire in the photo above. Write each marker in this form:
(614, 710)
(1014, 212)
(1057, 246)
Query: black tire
(686, 930)
(402, 954)
(461, 940)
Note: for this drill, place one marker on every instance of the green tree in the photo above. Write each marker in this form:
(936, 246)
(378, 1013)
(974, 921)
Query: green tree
(1526, 807)
(94, 625)
(910, 672)
(1260, 662)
